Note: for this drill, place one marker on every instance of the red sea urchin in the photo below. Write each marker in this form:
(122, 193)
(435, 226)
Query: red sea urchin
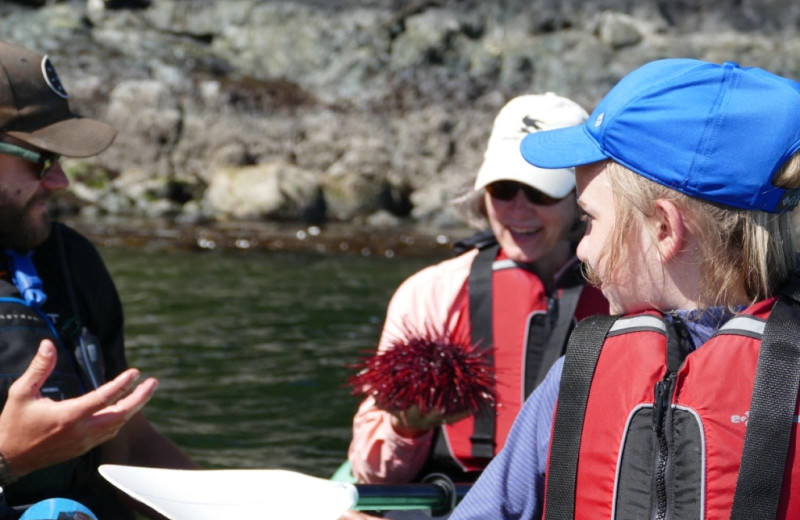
(430, 370)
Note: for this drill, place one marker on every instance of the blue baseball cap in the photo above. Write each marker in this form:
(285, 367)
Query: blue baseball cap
(715, 132)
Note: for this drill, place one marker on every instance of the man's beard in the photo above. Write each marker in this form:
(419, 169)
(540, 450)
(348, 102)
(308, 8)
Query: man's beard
(20, 228)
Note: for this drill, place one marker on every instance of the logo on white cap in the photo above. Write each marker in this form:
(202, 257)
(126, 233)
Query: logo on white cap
(530, 125)
(52, 79)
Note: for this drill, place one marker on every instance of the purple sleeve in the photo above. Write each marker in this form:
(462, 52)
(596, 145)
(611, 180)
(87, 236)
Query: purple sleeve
(511, 486)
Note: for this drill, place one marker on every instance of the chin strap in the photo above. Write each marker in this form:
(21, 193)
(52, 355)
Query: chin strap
(25, 277)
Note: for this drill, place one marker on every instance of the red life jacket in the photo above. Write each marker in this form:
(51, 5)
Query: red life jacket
(511, 305)
(656, 432)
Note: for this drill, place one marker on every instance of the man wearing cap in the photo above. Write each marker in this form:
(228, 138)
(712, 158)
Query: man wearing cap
(70, 401)
(515, 293)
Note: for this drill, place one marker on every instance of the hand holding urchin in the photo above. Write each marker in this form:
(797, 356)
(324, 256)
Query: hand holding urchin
(429, 370)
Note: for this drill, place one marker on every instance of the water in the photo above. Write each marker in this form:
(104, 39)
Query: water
(252, 349)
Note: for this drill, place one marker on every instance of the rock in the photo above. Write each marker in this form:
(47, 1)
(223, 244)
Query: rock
(618, 30)
(148, 120)
(229, 154)
(113, 204)
(434, 206)
(383, 219)
(194, 212)
(159, 208)
(348, 196)
(276, 190)
(335, 56)
(95, 6)
(426, 39)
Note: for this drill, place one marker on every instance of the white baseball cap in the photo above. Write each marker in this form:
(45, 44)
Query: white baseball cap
(521, 116)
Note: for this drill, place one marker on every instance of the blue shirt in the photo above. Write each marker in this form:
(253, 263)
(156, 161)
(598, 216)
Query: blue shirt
(511, 486)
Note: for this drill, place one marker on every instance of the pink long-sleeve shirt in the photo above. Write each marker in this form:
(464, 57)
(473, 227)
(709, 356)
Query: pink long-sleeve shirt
(425, 301)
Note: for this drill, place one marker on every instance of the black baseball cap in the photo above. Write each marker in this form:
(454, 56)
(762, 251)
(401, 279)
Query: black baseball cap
(34, 107)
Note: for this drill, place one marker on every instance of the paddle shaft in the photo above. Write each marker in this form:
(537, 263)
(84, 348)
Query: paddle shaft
(382, 497)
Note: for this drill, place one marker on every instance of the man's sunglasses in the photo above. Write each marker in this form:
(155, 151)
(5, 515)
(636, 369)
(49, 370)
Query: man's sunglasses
(43, 160)
(507, 190)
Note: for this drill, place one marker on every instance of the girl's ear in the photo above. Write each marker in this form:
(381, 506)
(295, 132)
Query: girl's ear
(670, 231)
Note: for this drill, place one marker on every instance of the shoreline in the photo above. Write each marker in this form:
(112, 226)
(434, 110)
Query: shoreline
(266, 236)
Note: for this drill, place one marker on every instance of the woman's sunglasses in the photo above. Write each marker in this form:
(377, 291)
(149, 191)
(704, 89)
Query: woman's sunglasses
(507, 190)
(44, 160)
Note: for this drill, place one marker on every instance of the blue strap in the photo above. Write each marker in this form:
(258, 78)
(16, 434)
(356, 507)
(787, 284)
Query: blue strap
(25, 277)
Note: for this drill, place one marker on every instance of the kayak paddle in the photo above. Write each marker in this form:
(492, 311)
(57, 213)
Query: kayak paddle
(270, 493)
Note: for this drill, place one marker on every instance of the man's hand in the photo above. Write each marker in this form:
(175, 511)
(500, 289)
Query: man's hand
(412, 423)
(36, 432)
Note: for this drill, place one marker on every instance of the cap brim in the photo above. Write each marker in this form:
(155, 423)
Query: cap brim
(555, 183)
(561, 148)
(73, 137)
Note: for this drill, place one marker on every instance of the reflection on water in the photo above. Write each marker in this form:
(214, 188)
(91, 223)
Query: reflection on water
(252, 348)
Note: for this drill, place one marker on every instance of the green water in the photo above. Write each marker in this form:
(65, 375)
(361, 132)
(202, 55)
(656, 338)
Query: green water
(252, 348)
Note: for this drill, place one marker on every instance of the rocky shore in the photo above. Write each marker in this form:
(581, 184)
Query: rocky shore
(372, 113)
(246, 236)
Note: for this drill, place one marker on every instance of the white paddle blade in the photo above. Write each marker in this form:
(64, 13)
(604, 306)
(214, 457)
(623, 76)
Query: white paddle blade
(233, 493)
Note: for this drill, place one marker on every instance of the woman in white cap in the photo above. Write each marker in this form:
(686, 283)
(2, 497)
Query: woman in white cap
(516, 292)
(688, 173)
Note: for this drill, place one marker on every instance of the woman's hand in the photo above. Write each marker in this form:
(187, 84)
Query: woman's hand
(412, 423)
(358, 515)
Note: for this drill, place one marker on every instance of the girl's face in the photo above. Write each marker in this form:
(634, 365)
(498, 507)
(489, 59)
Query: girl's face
(635, 283)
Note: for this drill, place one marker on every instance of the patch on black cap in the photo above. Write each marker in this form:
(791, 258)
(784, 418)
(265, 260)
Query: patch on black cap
(52, 79)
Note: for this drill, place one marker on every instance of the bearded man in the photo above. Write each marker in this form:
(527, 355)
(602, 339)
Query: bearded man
(70, 402)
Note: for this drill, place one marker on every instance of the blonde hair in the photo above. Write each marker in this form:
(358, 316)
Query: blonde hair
(745, 255)
(470, 206)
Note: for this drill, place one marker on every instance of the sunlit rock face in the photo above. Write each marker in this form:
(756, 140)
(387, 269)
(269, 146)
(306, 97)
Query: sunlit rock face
(270, 190)
(383, 105)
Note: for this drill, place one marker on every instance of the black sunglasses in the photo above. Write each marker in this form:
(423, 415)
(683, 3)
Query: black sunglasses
(43, 160)
(507, 190)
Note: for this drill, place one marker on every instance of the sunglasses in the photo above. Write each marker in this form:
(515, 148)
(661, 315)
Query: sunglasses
(43, 160)
(507, 190)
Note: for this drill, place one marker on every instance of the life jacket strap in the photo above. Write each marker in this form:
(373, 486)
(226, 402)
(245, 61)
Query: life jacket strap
(481, 320)
(772, 412)
(548, 332)
(582, 354)
(25, 277)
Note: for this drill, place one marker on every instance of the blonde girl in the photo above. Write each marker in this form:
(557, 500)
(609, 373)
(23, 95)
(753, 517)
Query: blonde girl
(685, 404)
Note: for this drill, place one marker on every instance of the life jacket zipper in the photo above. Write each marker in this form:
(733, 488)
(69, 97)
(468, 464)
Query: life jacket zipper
(661, 402)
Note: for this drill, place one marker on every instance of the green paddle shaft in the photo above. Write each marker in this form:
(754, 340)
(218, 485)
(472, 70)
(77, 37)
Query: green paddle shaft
(440, 498)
